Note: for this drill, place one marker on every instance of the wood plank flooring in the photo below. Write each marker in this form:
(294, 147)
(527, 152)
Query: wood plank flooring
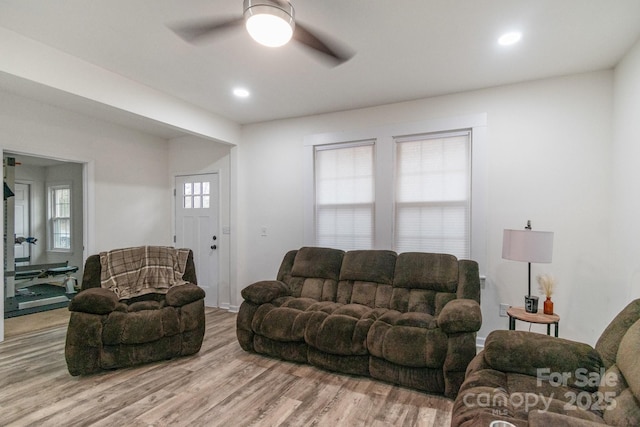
(19, 325)
(220, 386)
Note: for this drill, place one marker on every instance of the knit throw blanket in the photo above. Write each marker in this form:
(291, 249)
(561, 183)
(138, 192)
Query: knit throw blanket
(132, 272)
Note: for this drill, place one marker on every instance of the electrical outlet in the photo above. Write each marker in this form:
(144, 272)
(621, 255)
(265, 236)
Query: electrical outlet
(503, 310)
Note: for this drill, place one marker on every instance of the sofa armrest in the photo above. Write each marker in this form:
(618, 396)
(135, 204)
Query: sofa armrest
(180, 295)
(460, 315)
(265, 291)
(547, 358)
(94, 301)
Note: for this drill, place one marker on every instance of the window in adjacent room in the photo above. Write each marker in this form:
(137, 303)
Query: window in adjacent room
(60, 217)
(344, 195)
(433, 193)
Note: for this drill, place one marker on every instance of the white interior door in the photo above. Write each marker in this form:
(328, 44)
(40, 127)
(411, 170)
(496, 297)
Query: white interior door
(197, 222)
(21, 221)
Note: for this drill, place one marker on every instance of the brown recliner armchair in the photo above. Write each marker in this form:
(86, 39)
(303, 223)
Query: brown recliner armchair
(531, 380)
(108, 332)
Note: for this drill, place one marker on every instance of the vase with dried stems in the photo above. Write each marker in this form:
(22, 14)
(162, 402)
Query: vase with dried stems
(547, 283)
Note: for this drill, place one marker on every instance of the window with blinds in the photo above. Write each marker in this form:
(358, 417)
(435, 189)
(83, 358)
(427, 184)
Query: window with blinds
(60, 217)
(344, 195)
(433, 193)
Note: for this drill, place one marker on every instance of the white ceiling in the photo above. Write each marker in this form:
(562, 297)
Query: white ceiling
(404, 49)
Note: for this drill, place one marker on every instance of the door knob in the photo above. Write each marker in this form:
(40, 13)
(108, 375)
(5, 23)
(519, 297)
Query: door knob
(214, 247)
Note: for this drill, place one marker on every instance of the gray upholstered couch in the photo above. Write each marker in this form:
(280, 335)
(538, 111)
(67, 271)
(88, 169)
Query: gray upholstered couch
(106, 332)
(409, 319)
(534, 380)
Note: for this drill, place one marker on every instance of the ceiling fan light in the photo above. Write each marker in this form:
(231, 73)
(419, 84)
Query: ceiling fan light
(268, 23)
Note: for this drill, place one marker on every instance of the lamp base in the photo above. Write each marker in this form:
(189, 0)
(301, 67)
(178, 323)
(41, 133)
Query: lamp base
(530, 304)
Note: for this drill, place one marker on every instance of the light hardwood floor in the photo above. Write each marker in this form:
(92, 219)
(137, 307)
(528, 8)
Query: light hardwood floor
(220, 386)
(35, 322)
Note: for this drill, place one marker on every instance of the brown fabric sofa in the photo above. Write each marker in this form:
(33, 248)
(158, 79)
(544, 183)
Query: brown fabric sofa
(409, 319)
(530, 379)
(107, 333)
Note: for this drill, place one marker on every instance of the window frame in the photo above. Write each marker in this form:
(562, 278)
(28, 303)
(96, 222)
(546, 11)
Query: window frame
(52, 217)
(384, 175)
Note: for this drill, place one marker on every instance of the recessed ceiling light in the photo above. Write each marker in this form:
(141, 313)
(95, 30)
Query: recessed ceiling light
(241, 92)
(508, 39)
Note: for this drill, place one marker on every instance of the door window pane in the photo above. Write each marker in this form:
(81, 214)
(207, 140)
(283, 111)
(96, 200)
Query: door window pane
(197, 195)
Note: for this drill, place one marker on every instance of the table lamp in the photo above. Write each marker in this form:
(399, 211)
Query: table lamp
(528, 246)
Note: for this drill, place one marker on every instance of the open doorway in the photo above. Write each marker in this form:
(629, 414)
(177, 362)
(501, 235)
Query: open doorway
(43, 229)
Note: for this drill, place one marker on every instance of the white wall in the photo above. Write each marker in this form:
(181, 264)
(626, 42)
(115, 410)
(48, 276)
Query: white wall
(624, 277)
(191, 155)
(129, 199)
(129, 168)
(549, 150)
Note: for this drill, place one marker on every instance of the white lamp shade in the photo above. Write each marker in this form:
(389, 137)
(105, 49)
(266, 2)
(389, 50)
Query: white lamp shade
(527, 245)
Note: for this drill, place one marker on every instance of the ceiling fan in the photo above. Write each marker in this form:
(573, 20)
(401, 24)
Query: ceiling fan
(269, 22)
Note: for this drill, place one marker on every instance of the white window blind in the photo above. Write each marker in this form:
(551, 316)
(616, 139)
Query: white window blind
(433, 192)
(344, 195)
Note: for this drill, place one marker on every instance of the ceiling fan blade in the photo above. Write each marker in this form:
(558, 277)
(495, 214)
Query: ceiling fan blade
(330, 50)
(196, 31)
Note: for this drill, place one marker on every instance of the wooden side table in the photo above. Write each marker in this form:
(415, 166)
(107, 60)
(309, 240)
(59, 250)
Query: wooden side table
(519, 313)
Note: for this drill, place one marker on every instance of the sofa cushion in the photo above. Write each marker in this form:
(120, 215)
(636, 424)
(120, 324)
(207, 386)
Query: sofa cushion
(376, 266)
(342, 331)
(144, 305)
(140, 326)
(317, 288)
(317, 262)
(366, 278)
(408, 339)
(370, 294)
(265, 291)
(436, 272)
(279, 323)
(420, 300)
(301, 304)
